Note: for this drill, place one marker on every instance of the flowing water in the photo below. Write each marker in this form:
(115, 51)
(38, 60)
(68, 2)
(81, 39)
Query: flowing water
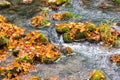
(86, 56)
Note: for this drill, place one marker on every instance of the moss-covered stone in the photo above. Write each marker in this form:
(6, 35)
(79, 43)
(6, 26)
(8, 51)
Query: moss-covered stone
(92, 37)
(80, 35)
(67, 50)
(67, 15)
(67, 38)
(90, 26)
(40, 22)
(50, 57)
(43, 38)
(116, 43)
(24, 59)
(62, 28)
(63, 16)
(97, 75)
(117, 1)
(3, 40)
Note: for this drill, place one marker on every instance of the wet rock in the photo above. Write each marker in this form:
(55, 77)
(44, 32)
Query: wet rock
(4, 3)
(67, 50)
(63, 16)
(97, 75)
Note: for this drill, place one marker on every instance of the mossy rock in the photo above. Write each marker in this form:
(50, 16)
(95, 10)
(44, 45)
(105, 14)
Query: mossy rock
(97, 75)
(43, 38)
(19, 37)
(45, 23)
(24, 59)
(116, 43)
(62, 29)
(40, 22)
(93, 38)
(90, 26)
(67, 15)
(67, 38)
(67, 50)
(117, 1)
(51, 57)
(80, 35)
(4, 40)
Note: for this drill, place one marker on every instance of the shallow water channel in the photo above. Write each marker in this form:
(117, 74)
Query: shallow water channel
(86, 56)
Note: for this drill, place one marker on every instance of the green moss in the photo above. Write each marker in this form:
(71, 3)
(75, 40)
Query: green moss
(67, 16)
(80, 35)
(25, 58)
(3, 40)
(117, 1)
(43, 38)
(97, 75)
(18, 37)
(116, 43)
(61, 29)
(45, 23)
(105, 32)
(67, 38)
(67, 50)
(90, 26)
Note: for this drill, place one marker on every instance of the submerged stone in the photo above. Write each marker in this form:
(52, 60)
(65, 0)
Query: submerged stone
(67, 50)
